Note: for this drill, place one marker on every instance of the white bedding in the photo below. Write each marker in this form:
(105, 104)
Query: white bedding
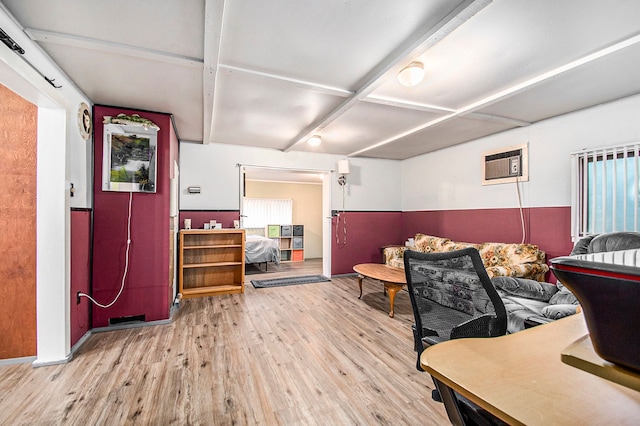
(259, 249)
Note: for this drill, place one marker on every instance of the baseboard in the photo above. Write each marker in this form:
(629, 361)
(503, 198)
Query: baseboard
(172, 311)
(21, 360)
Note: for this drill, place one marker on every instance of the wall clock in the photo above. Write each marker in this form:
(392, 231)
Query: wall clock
(84, 121)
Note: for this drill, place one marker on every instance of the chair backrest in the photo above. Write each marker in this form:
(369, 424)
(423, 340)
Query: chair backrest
(452, 295)
(610, 241)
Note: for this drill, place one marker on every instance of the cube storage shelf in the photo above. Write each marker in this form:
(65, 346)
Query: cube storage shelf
(290, 240)
(211, 262)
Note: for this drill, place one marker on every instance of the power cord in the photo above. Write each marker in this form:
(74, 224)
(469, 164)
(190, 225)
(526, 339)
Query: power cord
(126, 264)
(521, 211)
(344, 225)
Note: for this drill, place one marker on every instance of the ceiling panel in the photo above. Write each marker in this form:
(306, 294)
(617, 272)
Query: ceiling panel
(256, 111)
(512, 41)
(170, 26)
(331, 42)
(576, 89)
(365, 124)
(442, 135)
(277, 71)
(138, 83)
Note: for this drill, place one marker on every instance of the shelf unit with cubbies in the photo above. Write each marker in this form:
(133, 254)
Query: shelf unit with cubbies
(211, 262)
(290, 239)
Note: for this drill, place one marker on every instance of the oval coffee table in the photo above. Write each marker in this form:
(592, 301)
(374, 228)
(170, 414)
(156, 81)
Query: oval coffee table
(392, 278)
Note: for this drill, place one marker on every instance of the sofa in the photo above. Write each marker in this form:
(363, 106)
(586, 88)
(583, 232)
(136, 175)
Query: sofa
(530, 302)
(499, 259)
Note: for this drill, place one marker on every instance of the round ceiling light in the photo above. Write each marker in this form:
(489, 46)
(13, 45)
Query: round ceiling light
(314, 140)
(412, 74)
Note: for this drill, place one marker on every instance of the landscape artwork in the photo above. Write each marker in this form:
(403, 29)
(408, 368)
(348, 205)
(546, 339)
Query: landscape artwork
(129, 162)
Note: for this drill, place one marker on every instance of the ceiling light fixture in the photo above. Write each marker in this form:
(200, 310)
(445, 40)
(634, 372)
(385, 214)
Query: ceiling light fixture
(314, 140)
(412, 74)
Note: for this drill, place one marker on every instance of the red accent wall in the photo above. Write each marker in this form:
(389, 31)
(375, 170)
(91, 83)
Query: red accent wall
(367, 232)
(200, 217)
(80, 272)
(547, 227)
(146, 285)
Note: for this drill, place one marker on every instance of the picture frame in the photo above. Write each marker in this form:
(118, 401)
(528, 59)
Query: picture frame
(129, 158)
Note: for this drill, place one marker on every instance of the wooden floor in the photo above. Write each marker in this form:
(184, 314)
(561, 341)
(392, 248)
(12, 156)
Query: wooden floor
(309, 354)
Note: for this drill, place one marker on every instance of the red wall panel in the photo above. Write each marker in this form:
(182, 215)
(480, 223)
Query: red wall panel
(367, 232)
(80, 272)
(146, 285)
(547, 227)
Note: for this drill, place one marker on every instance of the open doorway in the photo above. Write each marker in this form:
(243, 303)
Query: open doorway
(273, 180)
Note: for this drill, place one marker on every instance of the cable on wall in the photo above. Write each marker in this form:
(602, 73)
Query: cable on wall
(126, 264)
(344, 220)
(521, 211)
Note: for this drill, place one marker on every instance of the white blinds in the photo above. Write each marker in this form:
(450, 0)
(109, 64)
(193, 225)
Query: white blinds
(605, 190)
(260, 212)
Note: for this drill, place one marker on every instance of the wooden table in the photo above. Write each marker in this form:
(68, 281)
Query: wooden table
(392, 278)
(521, 379)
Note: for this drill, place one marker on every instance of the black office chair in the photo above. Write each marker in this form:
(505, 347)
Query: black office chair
(452, 297)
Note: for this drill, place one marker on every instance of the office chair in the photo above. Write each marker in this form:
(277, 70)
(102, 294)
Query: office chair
(452, 297)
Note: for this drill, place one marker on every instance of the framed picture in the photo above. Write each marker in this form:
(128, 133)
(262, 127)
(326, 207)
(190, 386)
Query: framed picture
(129, 159)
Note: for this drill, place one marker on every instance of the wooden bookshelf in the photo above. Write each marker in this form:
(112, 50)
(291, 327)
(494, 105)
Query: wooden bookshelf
(211, 262)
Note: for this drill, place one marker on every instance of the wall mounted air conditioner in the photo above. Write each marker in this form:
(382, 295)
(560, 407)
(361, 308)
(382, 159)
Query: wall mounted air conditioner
(505, 165)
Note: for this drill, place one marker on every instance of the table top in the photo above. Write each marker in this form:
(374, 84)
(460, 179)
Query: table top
(382, 272)
(521, 378)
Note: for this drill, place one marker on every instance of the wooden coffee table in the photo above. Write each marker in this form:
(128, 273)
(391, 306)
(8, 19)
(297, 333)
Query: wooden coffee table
(392, 278)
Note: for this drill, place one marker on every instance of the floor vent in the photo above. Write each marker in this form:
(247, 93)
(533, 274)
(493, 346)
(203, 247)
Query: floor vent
(126, 320)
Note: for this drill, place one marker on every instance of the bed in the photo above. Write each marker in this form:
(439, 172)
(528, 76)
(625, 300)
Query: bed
(260, 249)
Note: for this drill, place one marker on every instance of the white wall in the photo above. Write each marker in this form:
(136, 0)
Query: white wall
(372, 183)
(451, 179)
(69, 97)
(63, 157)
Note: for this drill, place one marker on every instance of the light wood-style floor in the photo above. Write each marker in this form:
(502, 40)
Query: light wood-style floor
(309, 354)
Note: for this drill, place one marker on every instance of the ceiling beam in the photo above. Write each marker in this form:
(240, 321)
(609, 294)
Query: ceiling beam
(112, 48)
(398, 103)
(213, 21)
(303, 84)
(510, 91)
(412, 47)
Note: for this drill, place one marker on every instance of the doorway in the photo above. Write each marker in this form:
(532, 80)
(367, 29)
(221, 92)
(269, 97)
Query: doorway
(276, 174)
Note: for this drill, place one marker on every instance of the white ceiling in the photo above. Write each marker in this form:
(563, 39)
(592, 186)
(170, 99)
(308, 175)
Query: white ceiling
(271, 73)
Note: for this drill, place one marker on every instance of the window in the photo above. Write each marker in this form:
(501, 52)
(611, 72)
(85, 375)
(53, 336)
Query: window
(260, 212)
(605, 190)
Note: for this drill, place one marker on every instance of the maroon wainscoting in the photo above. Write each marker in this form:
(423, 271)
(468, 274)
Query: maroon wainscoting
(367, 232)
(80, 272)
(200, 217)
(548, 227)
(146, 286)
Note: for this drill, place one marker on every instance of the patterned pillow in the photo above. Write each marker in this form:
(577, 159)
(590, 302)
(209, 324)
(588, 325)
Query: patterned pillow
(428, 243)
(499, 254)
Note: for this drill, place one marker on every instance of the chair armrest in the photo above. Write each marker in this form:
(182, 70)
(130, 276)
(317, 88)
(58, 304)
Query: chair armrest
(394, 255)
(483, 326)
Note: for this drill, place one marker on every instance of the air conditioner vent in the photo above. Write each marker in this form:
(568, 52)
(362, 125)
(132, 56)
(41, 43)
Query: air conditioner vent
(505, 165)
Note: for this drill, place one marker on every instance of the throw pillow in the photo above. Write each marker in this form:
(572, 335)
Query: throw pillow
(555, 312)
(523, 287)
(564, 297)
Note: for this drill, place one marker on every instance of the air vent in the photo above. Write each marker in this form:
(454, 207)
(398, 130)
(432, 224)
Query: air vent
(505, 165)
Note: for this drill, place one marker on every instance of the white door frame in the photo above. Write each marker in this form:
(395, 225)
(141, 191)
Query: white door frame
(326, 206)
